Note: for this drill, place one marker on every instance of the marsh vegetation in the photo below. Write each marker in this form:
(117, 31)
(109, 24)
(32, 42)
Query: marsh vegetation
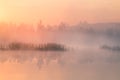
(28, 46)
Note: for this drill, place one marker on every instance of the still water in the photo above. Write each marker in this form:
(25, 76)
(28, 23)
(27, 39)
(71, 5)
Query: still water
(83, 64)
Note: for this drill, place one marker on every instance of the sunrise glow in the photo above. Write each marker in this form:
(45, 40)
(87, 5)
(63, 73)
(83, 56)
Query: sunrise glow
(2, 14)
(56, 11)
(59, 39)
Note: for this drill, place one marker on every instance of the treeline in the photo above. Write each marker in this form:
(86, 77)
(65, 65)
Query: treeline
(39, 47)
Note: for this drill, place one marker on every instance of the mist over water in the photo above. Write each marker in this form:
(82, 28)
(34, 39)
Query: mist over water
(93, 53)
(83, 33)
(82, 64)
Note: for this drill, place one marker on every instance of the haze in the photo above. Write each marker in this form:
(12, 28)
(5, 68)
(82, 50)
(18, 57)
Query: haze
(55, 11)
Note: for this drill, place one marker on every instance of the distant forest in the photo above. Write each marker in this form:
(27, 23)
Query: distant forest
(18, 36)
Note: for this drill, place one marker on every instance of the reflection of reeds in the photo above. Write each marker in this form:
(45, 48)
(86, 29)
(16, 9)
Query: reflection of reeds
(40, 47)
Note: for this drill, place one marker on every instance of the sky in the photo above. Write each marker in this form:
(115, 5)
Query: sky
(56, 11)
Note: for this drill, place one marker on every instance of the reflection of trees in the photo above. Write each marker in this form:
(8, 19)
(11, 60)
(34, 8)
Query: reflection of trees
(38, 58)
(68, 58)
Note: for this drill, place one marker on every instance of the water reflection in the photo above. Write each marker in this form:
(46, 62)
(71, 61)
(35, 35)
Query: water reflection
(85, 64)
(39, 58)
(62, 58)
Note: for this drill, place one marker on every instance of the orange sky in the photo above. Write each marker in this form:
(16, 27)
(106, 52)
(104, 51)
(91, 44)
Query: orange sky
(56, 11)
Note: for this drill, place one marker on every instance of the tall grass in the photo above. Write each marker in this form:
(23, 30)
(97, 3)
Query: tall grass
(39, 47)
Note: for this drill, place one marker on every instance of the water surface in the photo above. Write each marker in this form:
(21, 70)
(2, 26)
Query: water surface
(82, 64)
